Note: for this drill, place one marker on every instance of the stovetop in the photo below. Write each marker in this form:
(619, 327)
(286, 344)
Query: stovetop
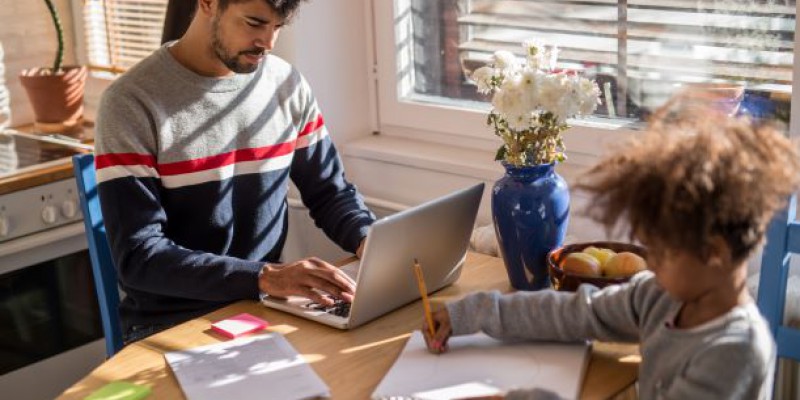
(21, 152)
(37, 187)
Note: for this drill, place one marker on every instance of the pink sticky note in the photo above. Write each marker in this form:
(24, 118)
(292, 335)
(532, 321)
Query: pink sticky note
(239, 325)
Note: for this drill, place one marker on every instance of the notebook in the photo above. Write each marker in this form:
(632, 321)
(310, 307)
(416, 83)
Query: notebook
(478, 365)
(436, 233)
(253, 367)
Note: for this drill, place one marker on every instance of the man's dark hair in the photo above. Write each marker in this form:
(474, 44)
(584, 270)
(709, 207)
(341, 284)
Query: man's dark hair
(284, 8)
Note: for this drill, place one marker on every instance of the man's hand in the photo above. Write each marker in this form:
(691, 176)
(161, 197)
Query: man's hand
(307, 278)
(360, 251)
(442, 331)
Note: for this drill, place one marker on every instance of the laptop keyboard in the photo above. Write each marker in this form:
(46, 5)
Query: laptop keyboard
(340, 308)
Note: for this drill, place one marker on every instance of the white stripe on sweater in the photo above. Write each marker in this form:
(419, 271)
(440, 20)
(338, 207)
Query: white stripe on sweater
(121, 171)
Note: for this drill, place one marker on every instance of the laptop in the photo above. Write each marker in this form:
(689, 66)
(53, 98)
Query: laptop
(436, 233)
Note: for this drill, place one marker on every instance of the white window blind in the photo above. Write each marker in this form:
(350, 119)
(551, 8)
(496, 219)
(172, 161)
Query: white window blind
(642, 51)
(5, 98)
(119, 33)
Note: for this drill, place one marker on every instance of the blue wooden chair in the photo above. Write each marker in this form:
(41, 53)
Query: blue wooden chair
(783, 239)
(105, 275)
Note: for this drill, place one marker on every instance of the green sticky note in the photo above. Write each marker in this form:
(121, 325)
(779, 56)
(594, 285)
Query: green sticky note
(119, 390)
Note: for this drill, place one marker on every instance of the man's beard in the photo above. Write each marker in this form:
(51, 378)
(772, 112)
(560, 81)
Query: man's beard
(232, 61)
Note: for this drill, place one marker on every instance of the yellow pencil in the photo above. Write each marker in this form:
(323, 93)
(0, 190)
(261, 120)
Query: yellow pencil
(424, 292)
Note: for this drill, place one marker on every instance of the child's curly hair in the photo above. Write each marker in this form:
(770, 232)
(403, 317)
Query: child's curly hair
(692, 177)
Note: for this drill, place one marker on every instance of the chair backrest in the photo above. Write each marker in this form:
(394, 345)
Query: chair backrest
(105, 275)
(783, 239)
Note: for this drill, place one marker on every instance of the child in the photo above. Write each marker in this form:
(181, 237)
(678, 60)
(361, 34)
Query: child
(699, 193)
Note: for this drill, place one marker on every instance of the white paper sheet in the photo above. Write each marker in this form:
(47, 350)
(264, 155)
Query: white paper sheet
(257, 367)
(477, 365)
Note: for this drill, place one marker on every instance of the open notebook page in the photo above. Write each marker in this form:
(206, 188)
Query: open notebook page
(254, 367)
(477, 365)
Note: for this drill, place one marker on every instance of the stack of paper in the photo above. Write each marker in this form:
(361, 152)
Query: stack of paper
(477, 365)
(259, 367)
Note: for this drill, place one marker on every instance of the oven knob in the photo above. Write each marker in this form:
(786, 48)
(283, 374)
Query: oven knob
(5, 226)
(49, 214)
(69, 208)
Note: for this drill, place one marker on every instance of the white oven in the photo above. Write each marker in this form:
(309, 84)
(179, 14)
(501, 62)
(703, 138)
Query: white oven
(50, 332)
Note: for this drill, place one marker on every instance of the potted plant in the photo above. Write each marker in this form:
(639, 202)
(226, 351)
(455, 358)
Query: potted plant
(531, 102)
(56, 93)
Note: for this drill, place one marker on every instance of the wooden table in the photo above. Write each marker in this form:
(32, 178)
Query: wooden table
(351, 363)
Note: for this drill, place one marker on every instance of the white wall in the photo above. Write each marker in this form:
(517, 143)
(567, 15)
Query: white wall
(29, 40)
(327, 42)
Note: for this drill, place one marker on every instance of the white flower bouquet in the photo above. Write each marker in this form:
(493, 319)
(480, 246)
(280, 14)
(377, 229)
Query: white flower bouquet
(531, 102)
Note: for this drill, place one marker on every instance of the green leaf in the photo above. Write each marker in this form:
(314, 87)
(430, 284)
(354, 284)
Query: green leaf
(59, 35)
(501, 153)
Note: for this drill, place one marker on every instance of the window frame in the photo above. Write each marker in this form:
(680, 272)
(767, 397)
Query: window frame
(404, 117)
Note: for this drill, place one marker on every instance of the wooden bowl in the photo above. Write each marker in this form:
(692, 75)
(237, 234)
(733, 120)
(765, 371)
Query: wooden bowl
(565, 281)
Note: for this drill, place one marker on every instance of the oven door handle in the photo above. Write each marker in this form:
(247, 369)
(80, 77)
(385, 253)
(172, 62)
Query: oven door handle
(43, 246)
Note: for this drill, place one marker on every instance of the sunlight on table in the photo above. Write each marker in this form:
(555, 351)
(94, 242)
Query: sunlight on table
(375, 344)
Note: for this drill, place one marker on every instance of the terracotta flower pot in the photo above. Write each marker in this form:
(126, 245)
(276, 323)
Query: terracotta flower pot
(57, 99)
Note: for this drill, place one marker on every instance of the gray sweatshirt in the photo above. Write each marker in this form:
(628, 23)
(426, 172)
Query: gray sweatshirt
(193, 174)
(730, 357)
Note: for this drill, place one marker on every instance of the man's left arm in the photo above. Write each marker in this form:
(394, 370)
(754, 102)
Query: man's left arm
(318, 172)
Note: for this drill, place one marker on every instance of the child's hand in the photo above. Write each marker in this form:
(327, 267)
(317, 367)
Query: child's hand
(441, 328)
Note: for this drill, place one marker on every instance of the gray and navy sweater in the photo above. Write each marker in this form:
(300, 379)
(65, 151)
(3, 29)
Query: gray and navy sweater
(193, 174)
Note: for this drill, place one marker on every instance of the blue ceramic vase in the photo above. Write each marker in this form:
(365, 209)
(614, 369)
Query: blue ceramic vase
(530, 209)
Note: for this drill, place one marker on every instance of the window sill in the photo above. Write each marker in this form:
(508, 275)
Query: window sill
(410, 171)
(448, 159)
(425, 156)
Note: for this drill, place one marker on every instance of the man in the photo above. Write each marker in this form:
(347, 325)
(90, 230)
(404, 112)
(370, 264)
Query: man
(195, 146)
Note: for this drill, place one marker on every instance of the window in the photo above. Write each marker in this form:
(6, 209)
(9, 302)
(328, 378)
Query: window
(639, 51)
(119, 33)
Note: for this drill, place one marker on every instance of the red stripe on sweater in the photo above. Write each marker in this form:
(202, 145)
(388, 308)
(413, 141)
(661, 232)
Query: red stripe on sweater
(211, 162)
(312, 126)
(224, 159)
(113, 159)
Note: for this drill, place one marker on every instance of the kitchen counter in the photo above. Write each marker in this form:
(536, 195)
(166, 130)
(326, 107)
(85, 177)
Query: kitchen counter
(52, 172)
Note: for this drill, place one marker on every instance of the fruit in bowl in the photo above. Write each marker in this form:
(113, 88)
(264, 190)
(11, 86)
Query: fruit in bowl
(624, 264)
(598, 263)
(601, 254)
(580, 263)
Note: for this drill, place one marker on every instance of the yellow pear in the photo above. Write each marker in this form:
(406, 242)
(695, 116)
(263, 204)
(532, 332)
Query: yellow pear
(624, 264)
(581, 264)
(601, 254)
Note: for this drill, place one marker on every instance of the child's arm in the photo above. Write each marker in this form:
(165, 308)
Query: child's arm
(611, 314)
